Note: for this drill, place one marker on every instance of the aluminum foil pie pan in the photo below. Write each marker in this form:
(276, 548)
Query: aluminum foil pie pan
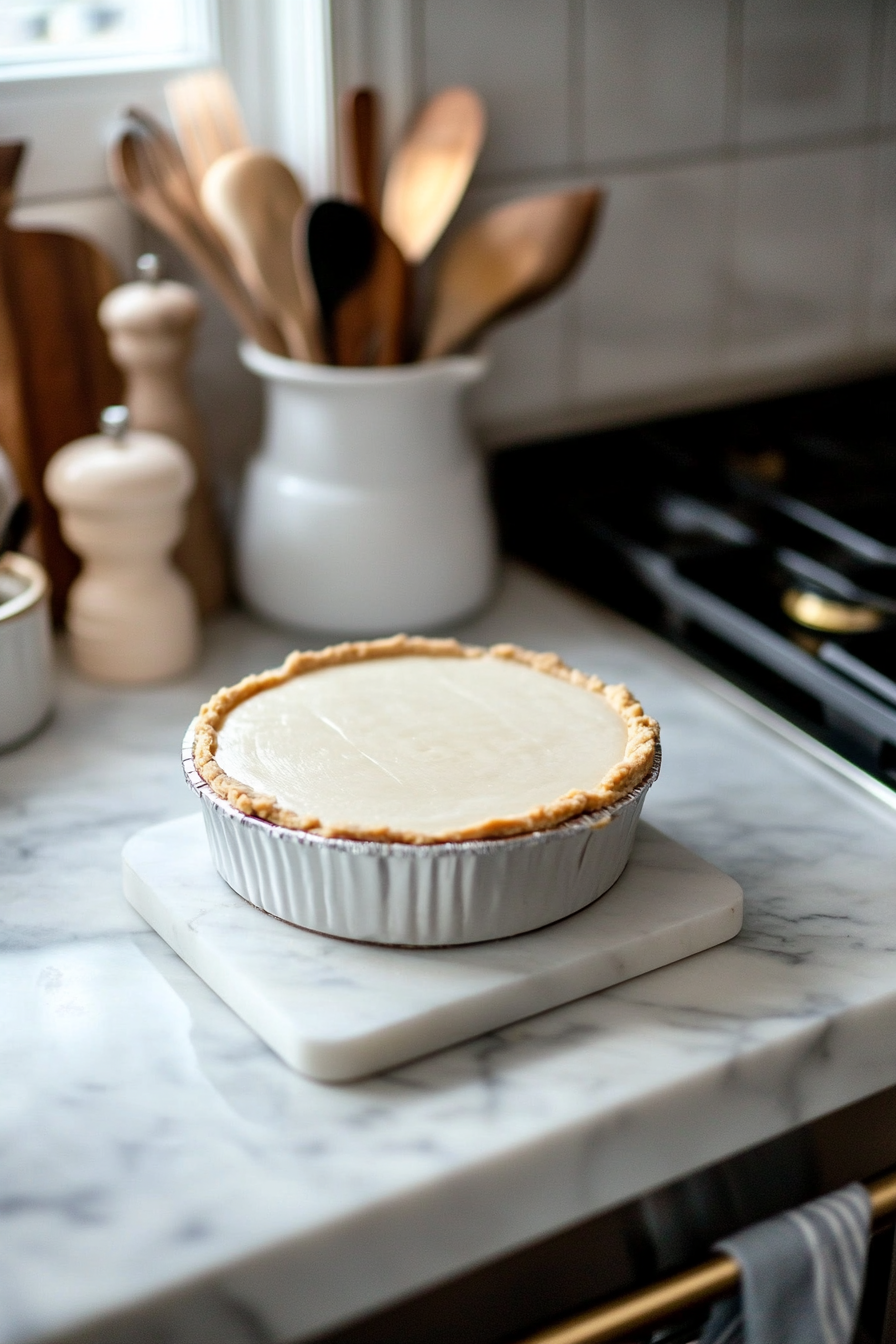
(436, 895)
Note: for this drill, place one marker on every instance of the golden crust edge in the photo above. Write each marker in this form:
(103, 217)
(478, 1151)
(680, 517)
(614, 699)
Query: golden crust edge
(640, 751)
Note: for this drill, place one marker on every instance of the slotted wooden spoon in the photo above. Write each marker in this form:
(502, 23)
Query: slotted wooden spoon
(207, 119)
(252, 198)
(506, 260)
(430, 169)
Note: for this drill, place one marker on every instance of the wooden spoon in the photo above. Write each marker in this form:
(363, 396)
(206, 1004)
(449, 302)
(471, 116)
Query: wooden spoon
(369, 326)
(171, 172)
(168, 164)
(207, 119)
(147, 170)
(253, 199)
(429, 172)
(361, 133)
(338, 242)
(510, 257)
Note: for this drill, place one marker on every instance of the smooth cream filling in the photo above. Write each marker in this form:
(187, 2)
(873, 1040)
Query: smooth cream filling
(417, 744)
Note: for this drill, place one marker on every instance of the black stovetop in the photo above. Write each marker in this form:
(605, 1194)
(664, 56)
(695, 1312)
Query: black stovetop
(761, 539)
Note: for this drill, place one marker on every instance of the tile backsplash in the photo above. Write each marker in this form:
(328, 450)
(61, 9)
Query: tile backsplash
(748, 148)
(749, 152)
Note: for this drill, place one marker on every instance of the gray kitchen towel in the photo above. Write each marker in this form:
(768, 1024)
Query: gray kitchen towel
(801, 1275)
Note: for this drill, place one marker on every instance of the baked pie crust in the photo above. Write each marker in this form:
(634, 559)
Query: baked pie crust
(642, 736)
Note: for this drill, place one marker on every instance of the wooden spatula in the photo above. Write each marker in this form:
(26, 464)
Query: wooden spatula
(169, 169)
(253, 199)
(207, 119)
(506, 260)
(55, 371)
(429, 172)
(147, 170)
(361, 135)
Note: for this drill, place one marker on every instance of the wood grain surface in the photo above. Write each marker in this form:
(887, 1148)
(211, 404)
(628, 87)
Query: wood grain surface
(55, 372)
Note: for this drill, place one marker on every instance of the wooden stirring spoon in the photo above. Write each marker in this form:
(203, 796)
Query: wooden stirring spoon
(429, 172)
(144, 171)
(253, 199)
(510, 257)
(369, 326)
(164, 158)
(170, 169)
(361, 134)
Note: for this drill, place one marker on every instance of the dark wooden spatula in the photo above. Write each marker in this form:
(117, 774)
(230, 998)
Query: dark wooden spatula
(505, 260)
(337, 242)
(369, 326)
(362, 282)
(361, 135)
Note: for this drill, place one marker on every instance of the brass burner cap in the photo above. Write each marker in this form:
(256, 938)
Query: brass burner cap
(822, 613)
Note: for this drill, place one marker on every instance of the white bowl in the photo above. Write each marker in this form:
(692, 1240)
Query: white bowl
(419, 895)
(26, 648)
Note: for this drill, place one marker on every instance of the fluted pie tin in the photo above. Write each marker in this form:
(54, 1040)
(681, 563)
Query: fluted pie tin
(435, 895)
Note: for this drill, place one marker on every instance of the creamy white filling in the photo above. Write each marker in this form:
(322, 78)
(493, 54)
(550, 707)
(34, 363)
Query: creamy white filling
(418, 744)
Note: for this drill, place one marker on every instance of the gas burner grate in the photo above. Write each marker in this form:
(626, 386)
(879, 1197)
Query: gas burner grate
(761, 539)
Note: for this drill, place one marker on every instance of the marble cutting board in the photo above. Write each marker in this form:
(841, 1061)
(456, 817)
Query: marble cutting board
(338, 1010)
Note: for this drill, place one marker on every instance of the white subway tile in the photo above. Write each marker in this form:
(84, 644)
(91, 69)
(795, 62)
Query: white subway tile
(806, 67)
(529, 363)
(795, 278)
(882, 306)
(654, 76)
(649, 297)
(515, 52)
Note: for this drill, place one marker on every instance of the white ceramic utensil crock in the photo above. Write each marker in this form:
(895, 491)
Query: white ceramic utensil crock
(366, 508)
(26, 648)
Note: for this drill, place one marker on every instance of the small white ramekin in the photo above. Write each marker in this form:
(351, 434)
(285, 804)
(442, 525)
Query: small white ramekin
(419, 895)
(26, 648)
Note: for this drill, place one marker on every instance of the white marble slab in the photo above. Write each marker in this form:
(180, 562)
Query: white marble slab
(338, 1010)
(163, 1175)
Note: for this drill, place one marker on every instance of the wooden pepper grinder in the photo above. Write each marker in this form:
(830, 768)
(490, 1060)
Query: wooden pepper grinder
(121, 496)
(150, 326)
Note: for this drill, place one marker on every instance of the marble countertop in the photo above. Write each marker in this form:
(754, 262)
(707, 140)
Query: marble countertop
(158, 1163)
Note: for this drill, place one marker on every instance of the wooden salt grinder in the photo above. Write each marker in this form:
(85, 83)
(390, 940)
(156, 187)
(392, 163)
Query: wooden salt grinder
(121, 497)
(150, 326)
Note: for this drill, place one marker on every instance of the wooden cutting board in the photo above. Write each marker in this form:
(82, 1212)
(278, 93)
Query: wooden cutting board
(55, 372)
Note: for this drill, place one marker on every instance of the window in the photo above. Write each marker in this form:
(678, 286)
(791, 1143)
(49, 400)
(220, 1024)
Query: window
(40, 38)
(69, 67)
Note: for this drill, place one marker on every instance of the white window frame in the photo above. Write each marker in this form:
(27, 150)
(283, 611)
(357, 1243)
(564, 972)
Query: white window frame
(280, 55)
(31, 65)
